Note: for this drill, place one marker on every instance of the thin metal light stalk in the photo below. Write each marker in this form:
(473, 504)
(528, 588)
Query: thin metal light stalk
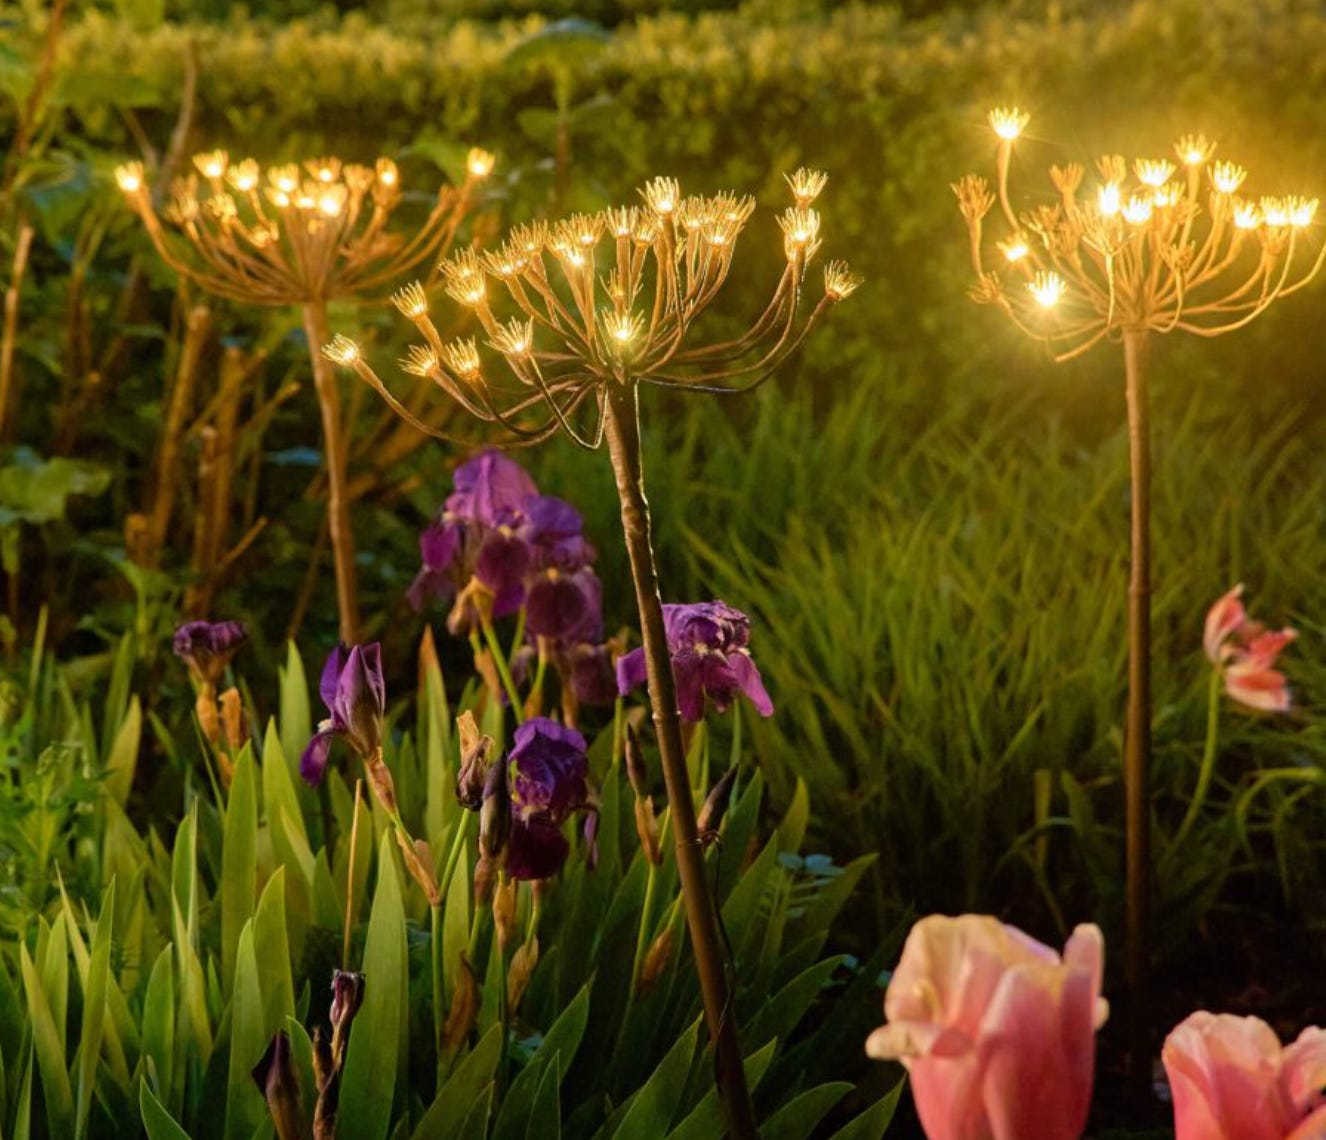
(338, 496)
(622, 425)
(1137, 728)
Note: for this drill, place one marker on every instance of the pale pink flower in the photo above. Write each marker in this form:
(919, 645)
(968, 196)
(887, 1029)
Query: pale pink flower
(1245, 651)
(1232, 1080)
(998, 1033)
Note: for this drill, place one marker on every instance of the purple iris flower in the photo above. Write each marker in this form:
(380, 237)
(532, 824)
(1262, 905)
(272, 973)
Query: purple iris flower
(355, 694)
(502, 564)
(540, 784)
(488, 488)
(566, 608)
(496, 527)
(554, 531)
(707, 641)
(546, 770)
(439, 548)
(206, 647)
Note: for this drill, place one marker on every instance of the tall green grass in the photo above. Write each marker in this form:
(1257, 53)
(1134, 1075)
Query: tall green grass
(938, 605)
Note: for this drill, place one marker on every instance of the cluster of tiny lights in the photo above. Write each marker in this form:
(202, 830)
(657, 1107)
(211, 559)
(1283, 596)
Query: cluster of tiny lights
(1155, 244)
(294, 232)
(614, 295)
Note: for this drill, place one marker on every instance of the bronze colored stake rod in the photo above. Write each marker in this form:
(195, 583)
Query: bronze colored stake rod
(1155, 246)
(1137, 726)
(622, 428)
(338, 498)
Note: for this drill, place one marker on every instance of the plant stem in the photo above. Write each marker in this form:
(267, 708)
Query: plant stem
(439, 1006)
(503, 671)
(9, 338)
(1137, 729)
(1207, 770)
(197, 326)
(338, 500)
(642, 938)
(622, 425)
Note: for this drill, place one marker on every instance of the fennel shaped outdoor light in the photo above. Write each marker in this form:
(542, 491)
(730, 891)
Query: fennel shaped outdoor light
(1156, 247)
(292, 236)
(601, 304)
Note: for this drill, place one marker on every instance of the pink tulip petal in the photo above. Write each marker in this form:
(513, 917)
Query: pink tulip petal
(1313, 1128)
(1257, 688)
(1222, 619)
(1224, 1075)
(997, 1032)
(1085, 951)
(1263, 649)
(1305, 1070)
(1041, 1044)
(947, 1092)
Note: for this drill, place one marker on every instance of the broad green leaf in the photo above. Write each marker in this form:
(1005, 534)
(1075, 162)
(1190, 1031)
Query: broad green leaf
(278, 786)
(742, 907)
(120, 1020)
(653, 1107)
(12, 1021)
(273, 956)
(296, 860)
(875, 1120)
(296, 721)
(23, 1113)
(184, 873)
(194, 1027)
(122, 760)
(476, 1122)
(792, 830)
(53, 966)
(239, 863)
(738, 828)
(566, 1032)
(157, 1122)
(706, 1119)
(446, 1117)
(797, 1119)
(94, 1011)
(440, 803)
(456, 921)
(49, 1049)
(36, 490)
(545, 1114)
(117, 696)
(245, 1107)
(328, 904)
(368, 1082)
(159, 1024)
(513, 1116)
(779, 1016)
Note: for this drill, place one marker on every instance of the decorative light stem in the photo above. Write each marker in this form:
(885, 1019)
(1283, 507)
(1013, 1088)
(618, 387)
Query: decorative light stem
(622, 429)
(338, 498)
(1137, 726)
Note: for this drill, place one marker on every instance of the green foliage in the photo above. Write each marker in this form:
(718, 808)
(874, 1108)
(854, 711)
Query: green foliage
(182, 979)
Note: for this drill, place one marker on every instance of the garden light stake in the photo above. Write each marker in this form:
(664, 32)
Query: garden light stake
(1161, 245)
(600, 304)
(301, 236)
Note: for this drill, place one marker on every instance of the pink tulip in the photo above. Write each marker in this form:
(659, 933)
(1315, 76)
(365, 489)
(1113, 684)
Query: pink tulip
(996, 1030)
(1232, 1080)
(1246, 652)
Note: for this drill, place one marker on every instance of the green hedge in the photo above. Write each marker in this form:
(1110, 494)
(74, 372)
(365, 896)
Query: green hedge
(894, 110)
